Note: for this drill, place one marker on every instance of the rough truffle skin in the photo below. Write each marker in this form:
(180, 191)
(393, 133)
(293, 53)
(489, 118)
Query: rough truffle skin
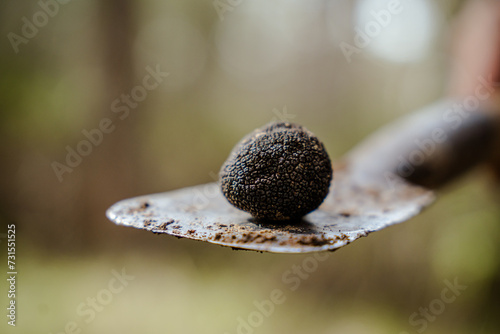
(278, 172)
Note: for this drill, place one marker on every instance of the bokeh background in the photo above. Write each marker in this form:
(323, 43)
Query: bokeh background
(233, 66)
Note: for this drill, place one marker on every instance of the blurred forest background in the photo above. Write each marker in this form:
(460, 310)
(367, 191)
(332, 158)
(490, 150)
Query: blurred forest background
(232, 66)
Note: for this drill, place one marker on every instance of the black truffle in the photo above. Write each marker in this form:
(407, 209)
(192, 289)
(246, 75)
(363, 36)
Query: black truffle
(278, 172)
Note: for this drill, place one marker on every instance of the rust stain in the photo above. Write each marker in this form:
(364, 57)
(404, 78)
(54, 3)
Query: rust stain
(163, 226)
(313, 240)
(142, 207)
(149, 222)
(246, 237)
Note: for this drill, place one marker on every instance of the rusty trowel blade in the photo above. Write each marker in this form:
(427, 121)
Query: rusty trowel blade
(355, 207)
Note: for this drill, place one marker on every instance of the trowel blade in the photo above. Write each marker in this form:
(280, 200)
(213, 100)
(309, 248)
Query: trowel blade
(355, 207)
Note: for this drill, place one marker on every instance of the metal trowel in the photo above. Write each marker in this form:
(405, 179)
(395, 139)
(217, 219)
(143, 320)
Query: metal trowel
(387, 179)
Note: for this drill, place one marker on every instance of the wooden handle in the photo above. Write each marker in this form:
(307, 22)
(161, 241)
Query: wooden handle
(453, 149)
(432, 146)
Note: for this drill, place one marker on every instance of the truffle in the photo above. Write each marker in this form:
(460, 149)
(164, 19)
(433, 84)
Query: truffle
(278, 172)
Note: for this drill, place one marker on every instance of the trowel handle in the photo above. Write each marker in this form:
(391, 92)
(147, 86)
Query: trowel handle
(431, 146)
(449, 141)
